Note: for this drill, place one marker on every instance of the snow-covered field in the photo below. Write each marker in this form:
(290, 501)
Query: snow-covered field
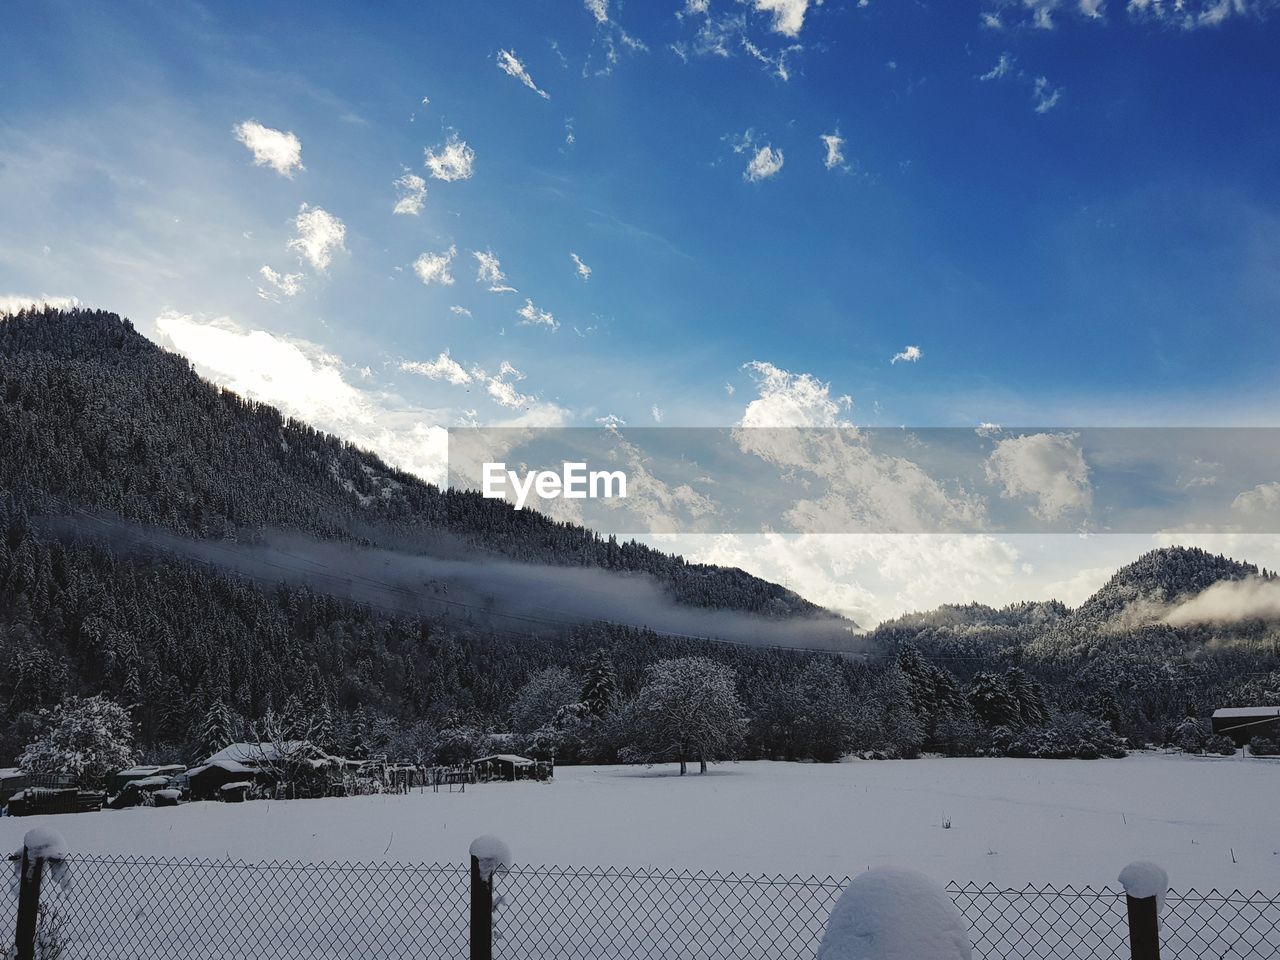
(1012, 821)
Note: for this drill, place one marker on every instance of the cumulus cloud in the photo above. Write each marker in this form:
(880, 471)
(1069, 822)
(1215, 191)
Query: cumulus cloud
(835, 150)
(786, 399)
(599, 10)
(434, 267)
(509, 64)
(451, 160)
(279, 284)
(13, 303)
(412, 190)
(1261, 500)
(277, 149)
(1046, 468)
(443, 367)
(788, 15)
(584, 271)
(909, 354)
(489, 270)
(319, 235)
(529, 314)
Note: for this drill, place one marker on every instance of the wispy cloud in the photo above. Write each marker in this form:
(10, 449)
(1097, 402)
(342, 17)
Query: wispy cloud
(766, 162)
(434, 267)
(583, 270)
(451, 160)
(1001, 68)
(319, 235)
(279, 284)
(834, 143)
(908, 354)
(413, 193)
(13, 303)
(788, 15)
(489, 270)
(443, 367)
(509, 64)
(277, 149)
(1045, 95)
(531, 315)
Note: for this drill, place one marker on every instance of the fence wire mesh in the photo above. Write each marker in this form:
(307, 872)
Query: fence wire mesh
(133, 907)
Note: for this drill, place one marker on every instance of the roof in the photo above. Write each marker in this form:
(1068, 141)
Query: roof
(150, 771)
(230, 766)
(508, 758)
(255, 753)
(1227, 713)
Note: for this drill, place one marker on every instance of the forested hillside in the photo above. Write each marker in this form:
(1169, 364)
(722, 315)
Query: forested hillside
(94, 415)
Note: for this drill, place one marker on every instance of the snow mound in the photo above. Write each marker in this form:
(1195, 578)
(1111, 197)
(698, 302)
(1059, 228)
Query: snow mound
(891, 913)
(1142, 879)
(45, 842)
(493, 854)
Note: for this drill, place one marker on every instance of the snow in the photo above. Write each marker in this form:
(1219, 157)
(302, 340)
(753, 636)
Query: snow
(509, 758)
(45, 842)
(889, 913)
(492, 853)
(1013, 821)
(1143, 879)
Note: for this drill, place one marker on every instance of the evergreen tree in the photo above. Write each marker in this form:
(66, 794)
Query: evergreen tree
(601, 686)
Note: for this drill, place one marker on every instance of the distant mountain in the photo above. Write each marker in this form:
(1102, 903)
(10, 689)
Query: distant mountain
(95, 416)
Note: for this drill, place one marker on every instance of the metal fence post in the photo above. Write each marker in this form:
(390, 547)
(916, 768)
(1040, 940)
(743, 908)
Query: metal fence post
(28, 905)
(1144, 929)
(481, 913)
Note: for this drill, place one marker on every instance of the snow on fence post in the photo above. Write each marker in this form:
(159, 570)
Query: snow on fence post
(891, 913)
(39, 846)
(488, 856)
(1145, 885)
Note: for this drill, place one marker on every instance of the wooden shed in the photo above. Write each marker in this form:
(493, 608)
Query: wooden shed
(206, 781)
(504, 766)
(1242, 724)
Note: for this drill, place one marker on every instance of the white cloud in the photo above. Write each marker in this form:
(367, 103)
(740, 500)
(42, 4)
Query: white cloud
(277, 149)
(599, 9)
(512, 67)
(1045, 95)
(1093, 9)
(1048, 468)
(279, 284)
(451, 160)
(529, 314)
(443, 367)
(1262, 499)
(583, 270)
(306, 382)
(656, 412)
(835, 150)
(766, 163)
(434, 267)
(788, 15)
(319, 235)
(12, 303)
(460, 311)
(1001, 69)
(413, 193)
(489, 270)
(910, 354)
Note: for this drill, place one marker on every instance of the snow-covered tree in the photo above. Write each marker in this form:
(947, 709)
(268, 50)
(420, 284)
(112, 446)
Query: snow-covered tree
(218, 727)
(85, 738)
(540, 700)
(600, 689)
(687, 710)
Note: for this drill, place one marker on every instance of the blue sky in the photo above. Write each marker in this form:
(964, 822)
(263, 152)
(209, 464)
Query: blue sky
(1069, 207)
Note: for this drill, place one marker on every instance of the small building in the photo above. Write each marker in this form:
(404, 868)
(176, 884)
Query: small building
(12, 780)
(117, 781)
(1242, 724)
(207, 780)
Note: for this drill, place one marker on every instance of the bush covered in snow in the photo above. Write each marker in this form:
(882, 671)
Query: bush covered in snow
(84, 739)
(1262, 747)
(1066, 736)
(1221, 745)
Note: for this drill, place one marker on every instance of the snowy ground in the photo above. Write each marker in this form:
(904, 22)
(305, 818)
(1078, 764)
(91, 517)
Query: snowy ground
(1012, 821)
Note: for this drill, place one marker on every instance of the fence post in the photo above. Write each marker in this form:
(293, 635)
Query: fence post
(1144, 928)
(28, 903)
(481, 912)
(1145, 886)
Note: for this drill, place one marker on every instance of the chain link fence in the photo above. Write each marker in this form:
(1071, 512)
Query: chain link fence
(131, 907)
